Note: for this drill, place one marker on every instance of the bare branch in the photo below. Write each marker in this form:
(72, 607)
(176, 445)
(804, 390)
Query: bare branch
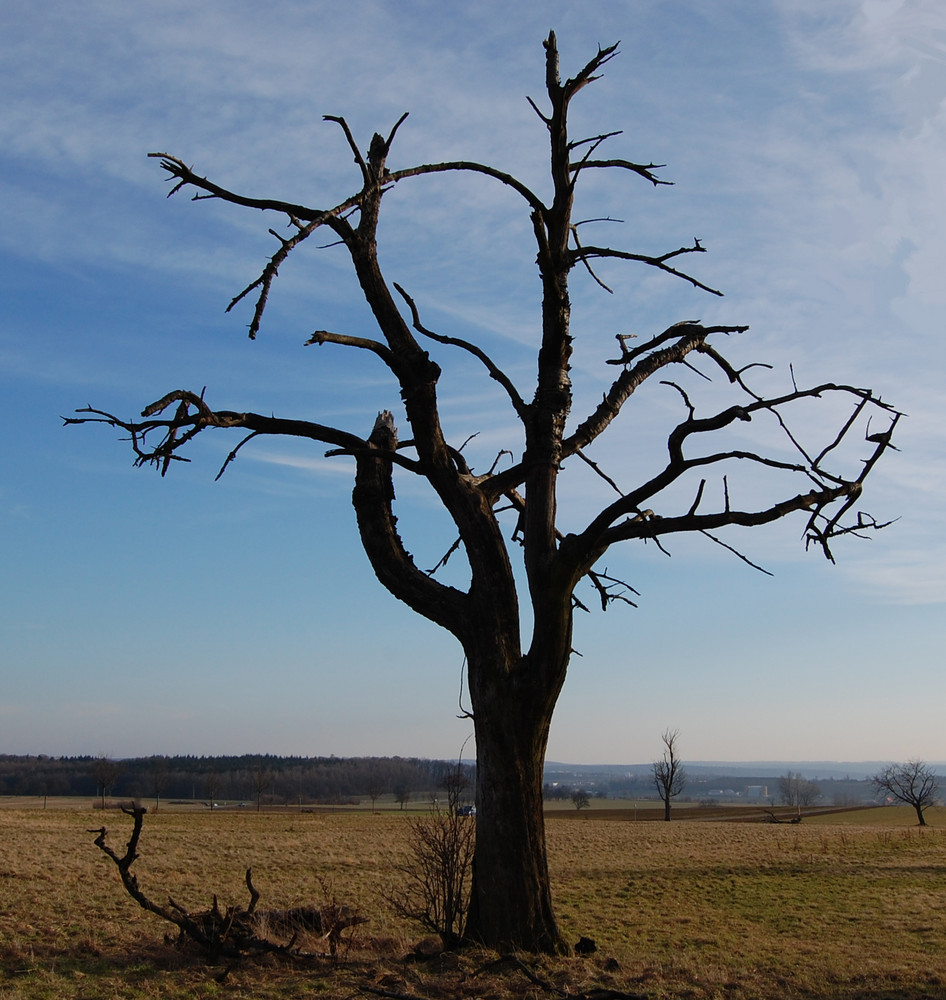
(535, 108)
(179, 429)
(233, 454)
(382, 350)
(735, 552)
(359, 159)
(597, 468)
(586, 74)
(644, 170)
(660, 261)
(687, 337)
(445, 558)
(495, 372)
(588, 266)
(265, 280)
(185, 176)
(698, 498)
(470, 167)
(236, 930)
(610, 589)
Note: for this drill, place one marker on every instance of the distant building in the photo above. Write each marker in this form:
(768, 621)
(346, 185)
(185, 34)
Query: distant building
(757, 792)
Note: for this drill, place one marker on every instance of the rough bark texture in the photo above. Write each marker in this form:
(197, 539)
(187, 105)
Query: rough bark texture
(511, 906)
(514, 680)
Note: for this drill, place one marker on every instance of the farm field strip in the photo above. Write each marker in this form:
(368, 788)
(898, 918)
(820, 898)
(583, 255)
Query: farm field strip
(698, 909)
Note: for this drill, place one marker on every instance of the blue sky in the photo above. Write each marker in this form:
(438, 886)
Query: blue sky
(807, 147)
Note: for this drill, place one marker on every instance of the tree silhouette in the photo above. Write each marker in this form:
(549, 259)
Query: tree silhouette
(796, 790)
(913, 783)
(516, 660)
(668, 773)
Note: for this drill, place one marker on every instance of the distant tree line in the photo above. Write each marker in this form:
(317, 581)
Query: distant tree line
(255, 779)
(838, 792)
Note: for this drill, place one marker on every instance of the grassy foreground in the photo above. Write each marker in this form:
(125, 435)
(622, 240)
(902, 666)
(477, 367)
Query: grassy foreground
(825, 909)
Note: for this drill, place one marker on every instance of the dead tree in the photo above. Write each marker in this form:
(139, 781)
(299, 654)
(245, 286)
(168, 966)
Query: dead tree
(236, 930)
(668, 774)
(515, 671)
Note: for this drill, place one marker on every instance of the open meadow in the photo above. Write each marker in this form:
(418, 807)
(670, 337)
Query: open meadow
(839, 906)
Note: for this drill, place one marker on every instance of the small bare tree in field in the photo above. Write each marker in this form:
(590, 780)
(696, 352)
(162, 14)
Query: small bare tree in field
(508, 512)
(580, 799)
(262, 779)
(669, 775)
(402, 794)
(160, 775)
(106, 772)
(796, 790)
(913, 783)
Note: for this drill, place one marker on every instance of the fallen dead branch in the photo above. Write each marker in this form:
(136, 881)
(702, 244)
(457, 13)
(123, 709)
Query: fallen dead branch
(236, 930)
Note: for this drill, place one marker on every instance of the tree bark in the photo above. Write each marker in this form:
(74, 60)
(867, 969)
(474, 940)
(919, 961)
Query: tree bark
(511, 899)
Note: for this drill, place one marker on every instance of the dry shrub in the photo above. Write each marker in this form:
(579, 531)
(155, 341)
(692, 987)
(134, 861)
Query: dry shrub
(435, 873)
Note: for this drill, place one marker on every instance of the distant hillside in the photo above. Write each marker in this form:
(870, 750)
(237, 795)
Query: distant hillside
(838, 783)
(812, 769)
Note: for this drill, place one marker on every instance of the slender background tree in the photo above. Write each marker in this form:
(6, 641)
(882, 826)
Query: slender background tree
(514, 616)
(668, 772)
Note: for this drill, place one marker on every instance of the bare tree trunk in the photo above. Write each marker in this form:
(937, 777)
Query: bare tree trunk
(511, 904)
(511, 898)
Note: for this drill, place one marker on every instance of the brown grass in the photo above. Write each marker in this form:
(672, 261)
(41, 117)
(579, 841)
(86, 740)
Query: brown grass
(827, 909)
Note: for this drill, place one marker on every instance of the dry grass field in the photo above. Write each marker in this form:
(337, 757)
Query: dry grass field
(847, 906)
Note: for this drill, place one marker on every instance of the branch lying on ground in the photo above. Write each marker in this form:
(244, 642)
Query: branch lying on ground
(235, 931)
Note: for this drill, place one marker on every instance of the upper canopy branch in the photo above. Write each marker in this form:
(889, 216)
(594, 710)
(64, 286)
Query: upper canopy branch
(363, 343)
(585, 253)
(689, 336)
(494, 370)
(645, 170)
(177, 168)
(624, 518)
(470, 166)
(582, 78)
(193, 415)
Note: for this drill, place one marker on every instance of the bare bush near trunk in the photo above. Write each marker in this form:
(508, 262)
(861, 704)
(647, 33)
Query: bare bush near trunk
(436, 873)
